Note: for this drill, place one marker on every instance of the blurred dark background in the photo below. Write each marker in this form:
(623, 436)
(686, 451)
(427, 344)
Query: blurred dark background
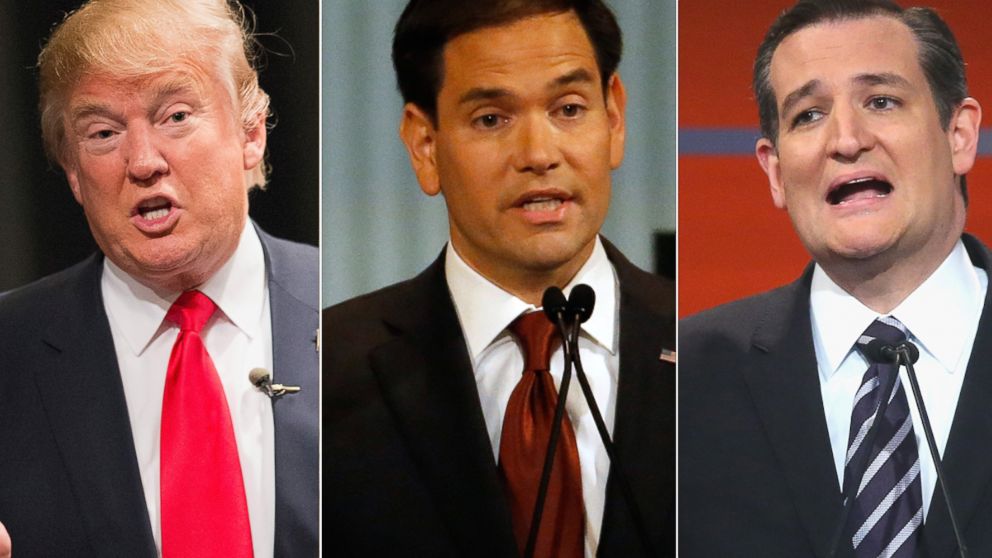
(43, 230)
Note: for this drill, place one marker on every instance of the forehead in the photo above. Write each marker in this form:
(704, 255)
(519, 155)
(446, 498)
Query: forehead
(528, 49)
(836, 52)
(111, 87)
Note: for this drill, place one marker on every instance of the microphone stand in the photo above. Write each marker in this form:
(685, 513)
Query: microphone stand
(617, 469)
(902, 354)
(549, 456)
(555, 305)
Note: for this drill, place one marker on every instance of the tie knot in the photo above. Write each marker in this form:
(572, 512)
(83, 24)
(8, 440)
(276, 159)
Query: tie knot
(537, 335)
(191, 311)
(888, 329)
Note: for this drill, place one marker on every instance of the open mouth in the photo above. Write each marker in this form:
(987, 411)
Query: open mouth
(542, 203)
(858, 189)
(154, 209)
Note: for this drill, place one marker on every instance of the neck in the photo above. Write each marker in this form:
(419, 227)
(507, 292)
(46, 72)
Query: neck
(529, 283)
(881, 283)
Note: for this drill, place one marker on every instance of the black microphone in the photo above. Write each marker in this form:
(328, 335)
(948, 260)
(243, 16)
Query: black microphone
(261, 379)
(553, 302)
(581, 302)
(877, 350)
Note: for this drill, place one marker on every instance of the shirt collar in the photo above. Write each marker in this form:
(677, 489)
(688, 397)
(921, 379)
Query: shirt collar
(238, 289)
(938, 314)
(485, 310)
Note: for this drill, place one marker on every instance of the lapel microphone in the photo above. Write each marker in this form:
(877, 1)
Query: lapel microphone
(262, 379)
(905, 354)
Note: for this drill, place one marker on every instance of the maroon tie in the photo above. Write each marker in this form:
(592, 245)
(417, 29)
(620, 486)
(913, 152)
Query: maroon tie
(523, 444)
(204, 512)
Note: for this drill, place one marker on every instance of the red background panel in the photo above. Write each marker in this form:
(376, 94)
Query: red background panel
(732, 241)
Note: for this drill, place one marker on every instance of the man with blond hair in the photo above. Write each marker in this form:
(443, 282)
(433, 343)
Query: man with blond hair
(130, 425)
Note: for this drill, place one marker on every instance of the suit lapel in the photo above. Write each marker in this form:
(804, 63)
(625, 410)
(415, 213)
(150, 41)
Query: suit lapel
(782, 378)
(81, 390)
(293, 304)
(965, 458)
(427, 382)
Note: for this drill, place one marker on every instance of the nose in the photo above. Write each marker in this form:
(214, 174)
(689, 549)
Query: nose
(851, 133)
(143, 158)
(536, 145)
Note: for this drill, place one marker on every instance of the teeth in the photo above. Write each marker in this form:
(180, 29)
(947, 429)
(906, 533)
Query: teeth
(860, 180)
(154, 214)
(542, 204)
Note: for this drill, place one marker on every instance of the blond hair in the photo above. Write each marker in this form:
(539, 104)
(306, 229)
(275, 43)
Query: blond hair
(137, 38)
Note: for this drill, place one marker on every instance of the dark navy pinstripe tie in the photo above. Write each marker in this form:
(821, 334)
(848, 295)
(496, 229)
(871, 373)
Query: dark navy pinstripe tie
(887, 512)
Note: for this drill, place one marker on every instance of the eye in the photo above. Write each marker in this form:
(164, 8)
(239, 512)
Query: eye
(807, 117)
(572, 110)
(489, 121)
(883, 103)
(102, 134)
(179, 116)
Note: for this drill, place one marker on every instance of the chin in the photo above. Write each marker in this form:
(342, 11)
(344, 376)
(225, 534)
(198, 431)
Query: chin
(551, 256)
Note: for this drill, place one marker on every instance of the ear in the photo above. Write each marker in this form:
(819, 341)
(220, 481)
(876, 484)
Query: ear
(420, 137)
(254, 146)
(616, 105)
(73, 176)
(764, 149)
(962, 132)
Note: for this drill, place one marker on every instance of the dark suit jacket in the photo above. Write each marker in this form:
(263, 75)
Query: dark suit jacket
(409, 468)
(69, 480)
(756, 475)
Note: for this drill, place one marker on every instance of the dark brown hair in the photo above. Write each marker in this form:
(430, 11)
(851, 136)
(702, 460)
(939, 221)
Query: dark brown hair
(426, 26)
(939, 55)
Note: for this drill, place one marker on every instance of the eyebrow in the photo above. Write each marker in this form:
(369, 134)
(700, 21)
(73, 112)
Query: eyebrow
(868, 80)
(884, 78)
(161, 92)
(792, 99)
(580, 75)
(174, 87)
(90, 108)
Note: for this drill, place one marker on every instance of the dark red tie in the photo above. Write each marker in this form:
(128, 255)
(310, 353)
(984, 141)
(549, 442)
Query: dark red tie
(524, 441)
(204, 511)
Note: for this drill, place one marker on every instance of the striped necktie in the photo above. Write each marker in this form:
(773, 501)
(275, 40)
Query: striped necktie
(887, 512)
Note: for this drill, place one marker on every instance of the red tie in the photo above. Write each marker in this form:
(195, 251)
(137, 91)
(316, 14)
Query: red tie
(523, 444)
(204, 512)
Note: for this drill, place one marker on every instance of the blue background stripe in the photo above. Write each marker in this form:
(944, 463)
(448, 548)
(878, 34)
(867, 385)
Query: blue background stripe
(740, 141)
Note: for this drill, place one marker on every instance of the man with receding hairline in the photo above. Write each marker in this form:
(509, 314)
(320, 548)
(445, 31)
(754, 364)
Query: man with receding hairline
(440, 390)
(798, 438)
(130, 425)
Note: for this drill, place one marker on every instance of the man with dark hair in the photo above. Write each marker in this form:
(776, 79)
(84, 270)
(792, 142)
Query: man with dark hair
(867, 135)
(515, 114)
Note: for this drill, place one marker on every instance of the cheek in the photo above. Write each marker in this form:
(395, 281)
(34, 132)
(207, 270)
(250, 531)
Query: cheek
(469, 175)
(800, 168)
(98, 180)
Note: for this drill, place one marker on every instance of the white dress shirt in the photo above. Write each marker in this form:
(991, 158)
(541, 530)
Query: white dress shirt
(941, 316)
(238, 338)
(485, 311)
